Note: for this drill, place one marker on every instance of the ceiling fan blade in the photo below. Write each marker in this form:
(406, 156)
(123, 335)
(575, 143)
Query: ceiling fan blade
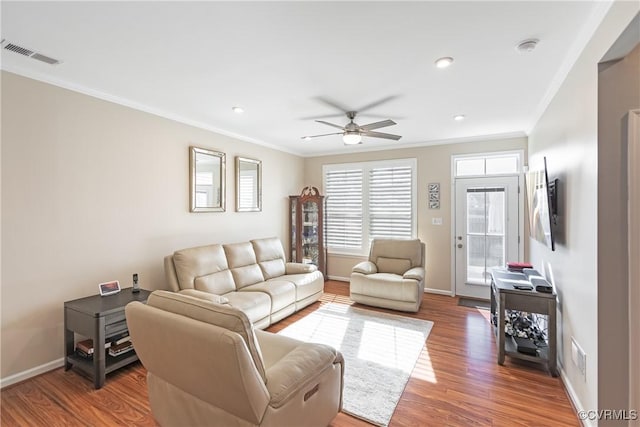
(377, 125)
(333, 104)
(330, 124)
(381, 135)
(324, 134)
(378, 102)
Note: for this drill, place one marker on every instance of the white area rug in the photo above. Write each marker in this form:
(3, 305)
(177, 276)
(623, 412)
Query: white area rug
(380, 351)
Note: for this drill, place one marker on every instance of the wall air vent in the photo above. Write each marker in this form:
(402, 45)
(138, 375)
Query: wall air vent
(18, 49)
(12, 47)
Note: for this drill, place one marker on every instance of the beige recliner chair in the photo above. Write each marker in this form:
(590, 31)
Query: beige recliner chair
(393, 277)
(207, 366)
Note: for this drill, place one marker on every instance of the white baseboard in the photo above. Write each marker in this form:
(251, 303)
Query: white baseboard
(574, 397)
(437, 291)
(338, 278)
(29, 373)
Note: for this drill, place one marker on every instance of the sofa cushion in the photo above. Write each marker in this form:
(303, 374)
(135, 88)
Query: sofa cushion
(240, 254)
(397, 248)
(282, 293)
(256, 305)
(306, 284)
(230, 318)
(247, 275)
(270, 256)
(393, 265)
(197, 262)
(216, 283)
(218, 299)
(385, 286)
(243, 264)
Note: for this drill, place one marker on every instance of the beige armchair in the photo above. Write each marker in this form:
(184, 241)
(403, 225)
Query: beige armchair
(393, 277)
(207, 366)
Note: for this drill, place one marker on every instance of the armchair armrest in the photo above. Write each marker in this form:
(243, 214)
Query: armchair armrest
(416, 273)
(299, 268)
(365, 267)
(297, 371)
(218, 299)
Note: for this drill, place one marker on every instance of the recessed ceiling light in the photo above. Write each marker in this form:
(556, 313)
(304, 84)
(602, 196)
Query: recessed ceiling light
(527, 46)
(238, 110)
(444, 62)
(458, 118)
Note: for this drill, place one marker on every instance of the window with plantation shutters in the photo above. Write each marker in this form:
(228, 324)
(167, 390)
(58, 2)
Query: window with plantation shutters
(344, 208)
(390, 202)
(369, 200)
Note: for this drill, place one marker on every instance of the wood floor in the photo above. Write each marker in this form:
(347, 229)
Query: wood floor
(456, 382)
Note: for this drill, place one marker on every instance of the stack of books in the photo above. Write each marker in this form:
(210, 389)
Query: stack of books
(118, 349)
(116, 345)
(518, 266)
(84, 349)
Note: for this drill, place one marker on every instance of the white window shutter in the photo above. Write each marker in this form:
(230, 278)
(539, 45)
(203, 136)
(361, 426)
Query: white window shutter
(390, 202)
(344, 219)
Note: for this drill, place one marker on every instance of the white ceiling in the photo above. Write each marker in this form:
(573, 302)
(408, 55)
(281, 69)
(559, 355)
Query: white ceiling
(286, 62)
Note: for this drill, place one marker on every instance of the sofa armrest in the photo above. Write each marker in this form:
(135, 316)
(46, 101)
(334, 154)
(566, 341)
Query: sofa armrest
(218, 299)
(298, 371)
(416, 273)
(299, 268)
(365, 267)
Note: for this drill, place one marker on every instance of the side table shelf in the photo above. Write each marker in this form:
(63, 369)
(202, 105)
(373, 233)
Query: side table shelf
(505, 297)
(98, 318)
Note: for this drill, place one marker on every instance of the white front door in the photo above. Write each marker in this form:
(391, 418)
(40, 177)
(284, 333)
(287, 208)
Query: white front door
(486, 231)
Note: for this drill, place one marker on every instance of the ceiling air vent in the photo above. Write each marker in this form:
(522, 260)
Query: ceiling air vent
(30, 53)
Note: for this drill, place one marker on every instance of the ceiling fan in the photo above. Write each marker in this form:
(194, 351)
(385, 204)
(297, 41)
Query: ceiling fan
(352, 132)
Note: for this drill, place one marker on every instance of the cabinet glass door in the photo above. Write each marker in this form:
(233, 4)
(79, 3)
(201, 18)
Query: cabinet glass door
(310, 250)
(294, 207)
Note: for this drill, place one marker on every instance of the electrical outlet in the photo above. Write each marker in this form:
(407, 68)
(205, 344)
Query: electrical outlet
(436, 221)
(578, 357)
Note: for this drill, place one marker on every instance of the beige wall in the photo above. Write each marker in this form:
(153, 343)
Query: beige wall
(567, 134)
(434, 165)
(93, 191)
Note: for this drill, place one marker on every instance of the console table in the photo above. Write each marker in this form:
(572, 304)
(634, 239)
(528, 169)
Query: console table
(98, 317)
(505, 297)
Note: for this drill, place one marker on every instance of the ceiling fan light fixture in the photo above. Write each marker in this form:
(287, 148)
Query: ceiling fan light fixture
(351, 138)
(444, 62)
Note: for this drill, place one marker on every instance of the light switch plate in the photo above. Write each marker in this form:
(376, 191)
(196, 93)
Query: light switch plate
(436, 221)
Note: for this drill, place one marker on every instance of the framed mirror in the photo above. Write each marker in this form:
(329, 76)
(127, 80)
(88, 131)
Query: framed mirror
(248, 185)
(207, 180)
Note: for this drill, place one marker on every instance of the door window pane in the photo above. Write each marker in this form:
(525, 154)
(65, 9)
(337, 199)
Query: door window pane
(495, 252)
(486, 225)
(475, 212)
(476, 259)
(495, 209)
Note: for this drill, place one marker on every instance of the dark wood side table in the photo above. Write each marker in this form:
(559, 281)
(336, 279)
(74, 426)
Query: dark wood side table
(98, 318)
(505, 297)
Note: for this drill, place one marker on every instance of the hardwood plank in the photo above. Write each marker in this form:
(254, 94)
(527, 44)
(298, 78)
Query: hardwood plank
(456, 382)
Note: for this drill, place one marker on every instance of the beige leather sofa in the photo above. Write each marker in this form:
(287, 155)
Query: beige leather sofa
(393, 277)
(252, 276)
(207, 366)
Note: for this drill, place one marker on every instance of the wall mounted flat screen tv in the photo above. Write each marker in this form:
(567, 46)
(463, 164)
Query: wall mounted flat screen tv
(541, 197)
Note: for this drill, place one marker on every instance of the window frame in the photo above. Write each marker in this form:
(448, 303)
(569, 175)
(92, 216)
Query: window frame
(366, 167)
